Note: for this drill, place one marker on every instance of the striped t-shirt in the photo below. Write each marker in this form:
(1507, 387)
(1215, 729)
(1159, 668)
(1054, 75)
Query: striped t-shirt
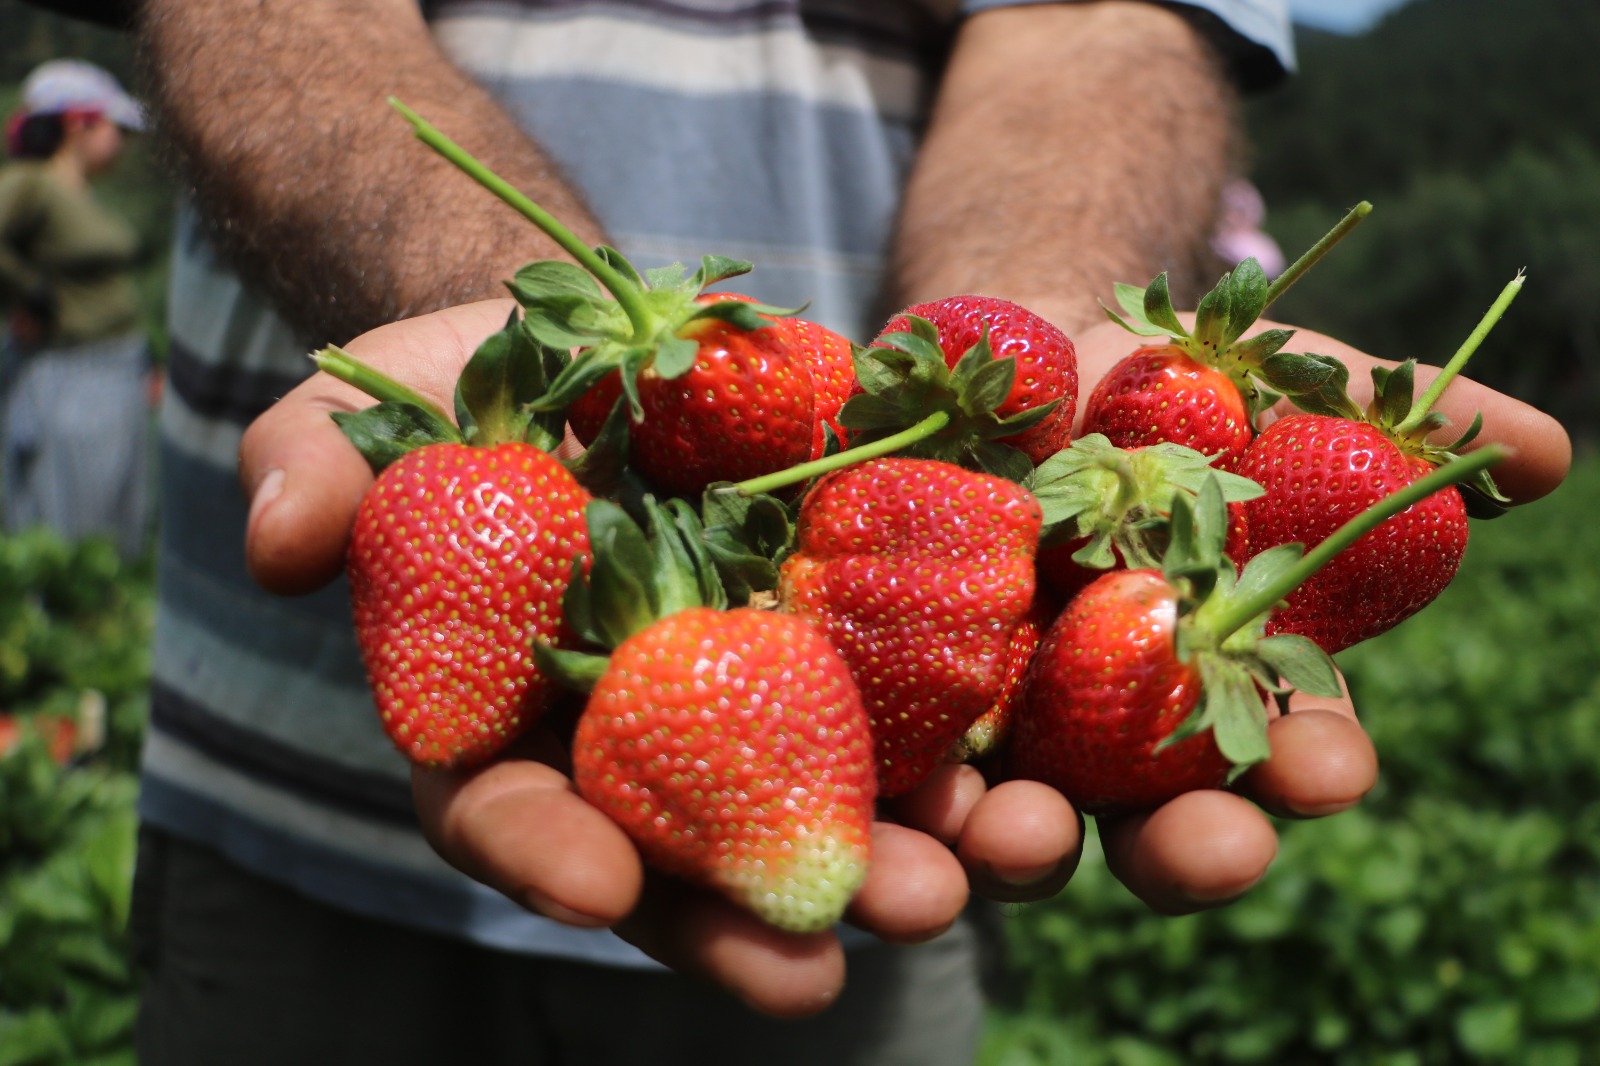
(777, 131)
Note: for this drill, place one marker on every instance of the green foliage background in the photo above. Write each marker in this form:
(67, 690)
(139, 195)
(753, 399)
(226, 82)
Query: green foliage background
(1473, 127)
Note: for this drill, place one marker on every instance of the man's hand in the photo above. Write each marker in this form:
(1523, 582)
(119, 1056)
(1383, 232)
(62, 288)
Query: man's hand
(518, 826)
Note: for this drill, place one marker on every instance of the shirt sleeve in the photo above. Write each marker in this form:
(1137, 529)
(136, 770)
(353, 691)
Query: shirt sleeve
(1254, 37)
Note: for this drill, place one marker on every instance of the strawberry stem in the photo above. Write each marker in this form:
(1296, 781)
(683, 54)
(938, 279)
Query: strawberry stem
(627, 294)
(1436, 388)
(1296, 270)
(848, 457)
(337, 362)
(1237, 615)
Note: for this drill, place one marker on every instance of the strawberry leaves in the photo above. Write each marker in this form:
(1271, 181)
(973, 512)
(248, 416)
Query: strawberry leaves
(905, 377)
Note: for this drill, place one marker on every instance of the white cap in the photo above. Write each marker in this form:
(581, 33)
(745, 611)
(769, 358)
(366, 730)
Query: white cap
(72, 84)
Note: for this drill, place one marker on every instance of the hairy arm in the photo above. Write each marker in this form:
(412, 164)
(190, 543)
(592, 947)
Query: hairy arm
(316, 189)
(1071, 146)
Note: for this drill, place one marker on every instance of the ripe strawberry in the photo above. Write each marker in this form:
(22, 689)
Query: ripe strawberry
(458, 562)
(1204, 388)
(732, 747)
(754, 401)
(1321, 467)
(1106, 693)
(918, 572)
(1160, 393)
(1046, 362)
(462, 550)
(1153, 683)
(746, 407)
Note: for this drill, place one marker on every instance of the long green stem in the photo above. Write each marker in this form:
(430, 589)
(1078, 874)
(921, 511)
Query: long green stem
(347, 368)
(627, 295)
(1297, 269)
(829, 463)
(1425, 402)
(1453, 472)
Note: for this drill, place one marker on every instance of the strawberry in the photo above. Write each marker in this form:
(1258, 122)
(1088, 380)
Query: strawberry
(918, 572)
(462, 550)
(1046, 362)
(732, 747)
(1204, 388)
(1323, 466)
(754, 401)
(458, 562)
(1153, 683)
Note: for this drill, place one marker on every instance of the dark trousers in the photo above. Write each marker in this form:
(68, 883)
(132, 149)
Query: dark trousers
(239, 970)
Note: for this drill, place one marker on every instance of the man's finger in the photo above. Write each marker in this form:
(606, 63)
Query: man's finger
(1198, 851)
(517, 826)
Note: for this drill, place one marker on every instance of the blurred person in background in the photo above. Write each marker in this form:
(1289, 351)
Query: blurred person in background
(76, 362)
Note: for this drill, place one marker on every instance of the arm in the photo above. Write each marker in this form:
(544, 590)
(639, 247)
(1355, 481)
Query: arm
(1072, 146)
(276, 113)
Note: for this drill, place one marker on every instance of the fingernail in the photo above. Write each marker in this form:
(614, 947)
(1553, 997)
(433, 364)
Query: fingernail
(269, 488)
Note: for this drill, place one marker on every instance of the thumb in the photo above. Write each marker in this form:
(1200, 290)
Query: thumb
(304, 480)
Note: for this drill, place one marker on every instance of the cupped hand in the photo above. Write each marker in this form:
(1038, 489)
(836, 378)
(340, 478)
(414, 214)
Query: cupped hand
(519, 826)
(1205, 849)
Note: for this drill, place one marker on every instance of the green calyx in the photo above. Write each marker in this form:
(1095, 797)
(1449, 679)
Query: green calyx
(1120, 499)
(1223, 613)
(904, 378)
(621, 320)
(637, 576)
(1257, 366)
(494, 399)
(1408, 419)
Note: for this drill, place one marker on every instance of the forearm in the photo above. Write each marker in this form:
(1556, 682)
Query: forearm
(1072, 146)
(275, 112)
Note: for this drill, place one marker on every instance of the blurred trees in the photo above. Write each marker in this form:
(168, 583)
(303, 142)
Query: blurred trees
(1473, 126)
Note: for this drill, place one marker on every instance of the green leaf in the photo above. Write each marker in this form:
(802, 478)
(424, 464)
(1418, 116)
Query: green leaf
(986, 387)
(674, 356)
(715, 268)
(1236, 710)
(1157, 307)
(504, 375)
(386, 431)
(1301, 663)
(555, 279)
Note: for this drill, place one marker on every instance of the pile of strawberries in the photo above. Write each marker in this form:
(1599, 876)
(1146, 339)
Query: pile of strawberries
(790, 575)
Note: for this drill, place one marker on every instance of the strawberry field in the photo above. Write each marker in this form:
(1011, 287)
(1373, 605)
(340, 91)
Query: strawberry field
(1453, 917)
(74, 635)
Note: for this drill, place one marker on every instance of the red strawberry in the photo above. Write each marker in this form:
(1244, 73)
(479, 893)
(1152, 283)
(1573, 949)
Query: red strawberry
(1106, 692)
(462, 549)
(746, 407)
(1321, 467)
(1152, 683)
(918, 572)
(754, 401)
(458, 562)
(1204, 388)
(1046, 362)
(733, 748)
(1161, 393)
(988, 734)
